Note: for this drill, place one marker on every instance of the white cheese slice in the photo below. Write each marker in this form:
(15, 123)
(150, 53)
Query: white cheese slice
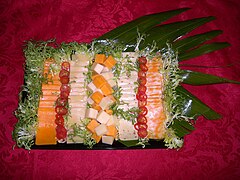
(91, 87)
(127, 130)
(101, 129)
(112, 82)
(91, 113)
(107, 75)
(107, 140)
(103, 117)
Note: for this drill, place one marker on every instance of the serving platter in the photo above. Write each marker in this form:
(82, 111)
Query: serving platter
(143, 37)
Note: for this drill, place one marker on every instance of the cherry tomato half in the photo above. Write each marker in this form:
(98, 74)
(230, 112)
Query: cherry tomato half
(66, 66)
(141, 74)
(64, 79)
(138, 125)
(142, 132)
(61, 132)
(64, 72)
(143, 111)
(142, 60)
(61, 101)
(142, 88)
(61, 110)
(141, 119)
(142, 81)
(143, 67)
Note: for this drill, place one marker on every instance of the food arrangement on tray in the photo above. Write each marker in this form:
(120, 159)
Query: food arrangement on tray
(123, 89)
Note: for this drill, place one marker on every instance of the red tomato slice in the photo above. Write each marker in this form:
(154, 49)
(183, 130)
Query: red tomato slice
(66, 66)
(61, 110)
(143, 111)
(141, 74)
(143, 67)
(59, 121)
(142, 60)
(61, 132)
(142, 96)
(61, 101)
(65, 88)
(64, 79)
(141, 119)
(142, 80)
(142, 132)
(64, 72)
(142, 88)
(138, 125)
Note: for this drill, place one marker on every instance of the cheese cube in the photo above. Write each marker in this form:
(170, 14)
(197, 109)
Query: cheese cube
(97, 67)
(107, 140)
(112, 131)
(91, 87)
(106, 102)
(91, 113)
(96, 106)
(107, 75)
(96, 137)
(103, 117)
(92, 125)
(105, 69)
(100, 58)
(90, 101)
(97, 97)
(99, 81)
(112, 82)
(111, 121)
(109, 62)
(107, 89)
(101, 129)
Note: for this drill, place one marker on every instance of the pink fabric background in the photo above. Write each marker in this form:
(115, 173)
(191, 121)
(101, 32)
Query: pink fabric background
(210, 152)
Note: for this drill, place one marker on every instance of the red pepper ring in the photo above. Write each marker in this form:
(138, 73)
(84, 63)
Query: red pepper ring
(143, 111)
(141, 74)
(65, 88)
(61, 110)
(64, 79)
(138, 125)
(141, 119)
(61, 101)
(66, 66)
(142, 60)
(143, 67)
(64, 72)
(142, 132)
(61, 132)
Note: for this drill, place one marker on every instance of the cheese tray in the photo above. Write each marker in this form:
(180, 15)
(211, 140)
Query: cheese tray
(121, 91)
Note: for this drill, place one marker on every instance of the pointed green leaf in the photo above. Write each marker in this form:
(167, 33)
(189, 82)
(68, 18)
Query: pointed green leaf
(195, 107)
(193, 41)
(170, 32)
(186, 125)
(130, 143)
(197, 78)
(128, 31)
(179, 130)
(204, 49)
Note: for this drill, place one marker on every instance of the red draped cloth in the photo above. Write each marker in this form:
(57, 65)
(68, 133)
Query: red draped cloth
(212, 151)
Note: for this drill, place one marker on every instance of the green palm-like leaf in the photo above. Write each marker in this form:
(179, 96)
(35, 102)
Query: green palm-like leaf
(204, 49)
(128, 31)
(197, 78)
(191, 42)
(182, 127)
(170, 32)
(194, 107)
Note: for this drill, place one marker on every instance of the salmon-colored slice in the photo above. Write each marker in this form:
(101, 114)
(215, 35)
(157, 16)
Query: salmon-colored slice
(156, 115)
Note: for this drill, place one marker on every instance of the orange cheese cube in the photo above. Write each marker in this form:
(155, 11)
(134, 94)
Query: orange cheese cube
(46, 135)
(97, 97)
(109, 62)
(109, 111)
(96, 137)
(96, 106)
(94, 75)
(106, 89)
(100, 58)
(92, 125)
(112, 131)
(99, 81)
